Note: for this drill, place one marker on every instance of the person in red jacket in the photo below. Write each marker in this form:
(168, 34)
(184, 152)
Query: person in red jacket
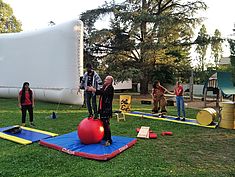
(26, 103)
(105, 106)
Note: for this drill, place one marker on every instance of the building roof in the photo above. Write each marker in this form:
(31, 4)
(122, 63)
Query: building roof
(225, 61)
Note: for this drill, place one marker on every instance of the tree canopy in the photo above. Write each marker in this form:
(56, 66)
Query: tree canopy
(8, 22)
(232, 57)
(145, 37)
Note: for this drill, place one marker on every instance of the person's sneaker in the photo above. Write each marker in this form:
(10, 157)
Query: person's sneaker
(23, 124)
(90, 116)
(178, 118)
(32, 124)
(96, 116)
(164, 111)
(108, 143)
(183, 119)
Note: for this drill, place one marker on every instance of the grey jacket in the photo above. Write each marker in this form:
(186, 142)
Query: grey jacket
(96, 83)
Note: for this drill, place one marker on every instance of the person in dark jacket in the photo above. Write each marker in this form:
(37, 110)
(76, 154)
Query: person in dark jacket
(26, 103)
(105, 106)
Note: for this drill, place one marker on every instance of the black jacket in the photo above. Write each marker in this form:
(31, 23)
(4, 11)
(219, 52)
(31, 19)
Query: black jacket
(105, 101)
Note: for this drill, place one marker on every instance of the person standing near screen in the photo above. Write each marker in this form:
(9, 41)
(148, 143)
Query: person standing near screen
(91, 79)
(26, 103)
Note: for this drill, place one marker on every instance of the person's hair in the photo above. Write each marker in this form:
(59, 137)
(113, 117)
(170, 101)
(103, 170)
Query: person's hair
(111, 77)
(89, 65)
(23, 92)
(179, 82)
(155, 83)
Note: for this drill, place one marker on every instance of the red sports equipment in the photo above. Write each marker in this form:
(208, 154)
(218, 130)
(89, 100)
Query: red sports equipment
(90, 131)
(166, 133)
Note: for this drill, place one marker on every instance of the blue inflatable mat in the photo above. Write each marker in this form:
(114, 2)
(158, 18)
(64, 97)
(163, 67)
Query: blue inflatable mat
(25, 136)
(70, 143)
(168, 118)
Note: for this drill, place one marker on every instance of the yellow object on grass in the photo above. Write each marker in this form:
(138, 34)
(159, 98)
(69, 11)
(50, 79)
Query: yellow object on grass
(206, 116)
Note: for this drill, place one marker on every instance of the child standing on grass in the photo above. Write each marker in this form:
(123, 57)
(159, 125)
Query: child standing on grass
(26, 103)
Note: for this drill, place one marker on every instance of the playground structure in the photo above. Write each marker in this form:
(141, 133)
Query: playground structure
(221, 85)
(50, 59)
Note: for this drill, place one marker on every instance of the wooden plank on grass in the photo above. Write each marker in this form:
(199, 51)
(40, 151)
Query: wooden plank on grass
(144, 132)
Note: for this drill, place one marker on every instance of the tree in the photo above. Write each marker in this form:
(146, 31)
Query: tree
(203, 41)
(8, 22)
(143, 36)
(232, 57)
(216, 47)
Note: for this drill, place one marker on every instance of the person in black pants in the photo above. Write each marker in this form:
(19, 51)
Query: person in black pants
(105, 106)
(26, 103)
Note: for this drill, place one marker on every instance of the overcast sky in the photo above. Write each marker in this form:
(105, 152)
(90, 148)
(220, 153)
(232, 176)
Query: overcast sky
(35, 14)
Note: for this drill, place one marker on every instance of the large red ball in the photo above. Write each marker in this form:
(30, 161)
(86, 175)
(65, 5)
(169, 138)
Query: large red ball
(90, 131)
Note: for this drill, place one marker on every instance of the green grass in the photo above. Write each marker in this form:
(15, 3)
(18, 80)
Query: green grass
(191, 151)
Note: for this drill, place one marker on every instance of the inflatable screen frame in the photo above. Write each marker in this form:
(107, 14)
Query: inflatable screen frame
(50, 59)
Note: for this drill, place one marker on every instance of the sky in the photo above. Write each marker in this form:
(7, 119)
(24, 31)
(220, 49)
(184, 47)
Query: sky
(36, 14)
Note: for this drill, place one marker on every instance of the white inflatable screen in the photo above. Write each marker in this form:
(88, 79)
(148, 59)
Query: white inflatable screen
(50, 59)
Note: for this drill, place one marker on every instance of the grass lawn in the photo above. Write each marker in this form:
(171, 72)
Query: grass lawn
(191, 151)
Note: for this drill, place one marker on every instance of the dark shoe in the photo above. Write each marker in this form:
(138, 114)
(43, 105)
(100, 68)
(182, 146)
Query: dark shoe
(96, 116)
(32, 124)
(90, 116)
(164, 111)
(183, 119)
(178, 118)
(154, 112)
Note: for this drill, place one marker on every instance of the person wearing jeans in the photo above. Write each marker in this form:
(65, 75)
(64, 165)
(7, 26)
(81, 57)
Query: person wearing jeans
(91, 79)
(180, 104)
(178, 91)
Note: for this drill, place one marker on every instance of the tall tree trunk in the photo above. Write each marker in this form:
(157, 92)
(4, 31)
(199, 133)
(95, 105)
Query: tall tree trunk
(144, 86)
(143, 28)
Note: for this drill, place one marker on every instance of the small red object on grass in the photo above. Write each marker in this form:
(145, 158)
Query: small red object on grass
(152, 135)
(166, 133)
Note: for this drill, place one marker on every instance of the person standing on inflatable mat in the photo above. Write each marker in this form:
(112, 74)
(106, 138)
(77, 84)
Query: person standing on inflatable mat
(179, 92)
(159, 99)
(105, 106)
(91, 79)
(26, 103)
